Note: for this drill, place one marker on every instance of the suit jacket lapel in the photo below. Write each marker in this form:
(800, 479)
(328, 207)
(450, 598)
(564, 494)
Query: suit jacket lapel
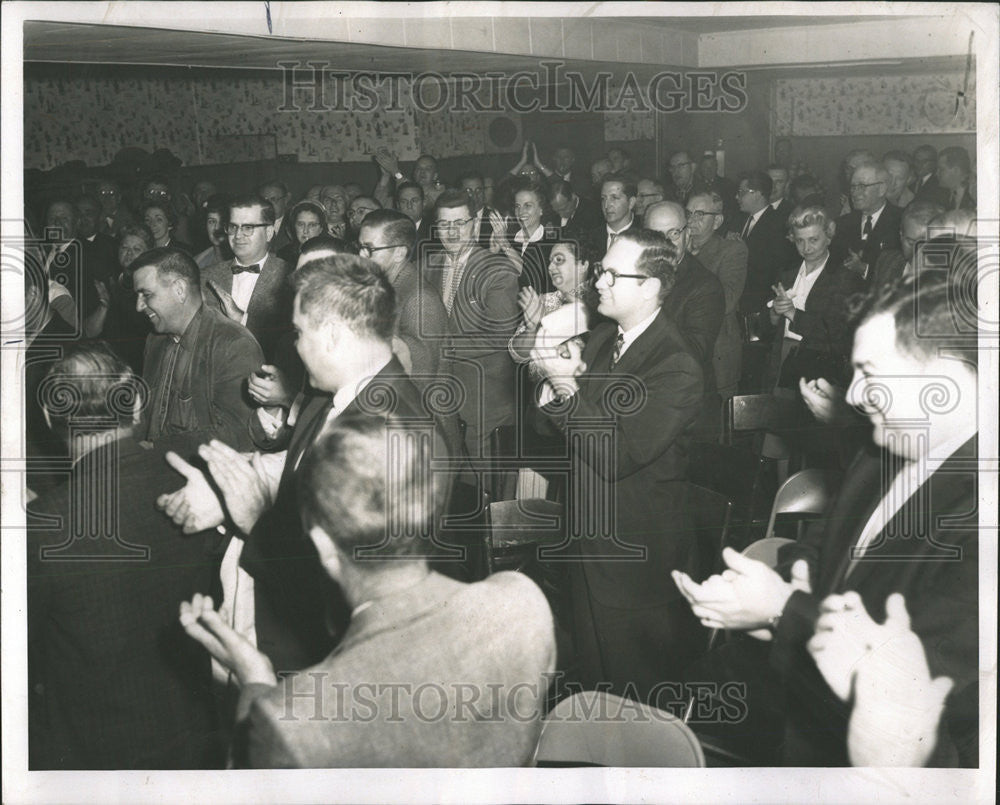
(263, 290)
(641, 347)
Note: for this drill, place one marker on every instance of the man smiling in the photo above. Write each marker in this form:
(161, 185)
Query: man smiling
(196, 360)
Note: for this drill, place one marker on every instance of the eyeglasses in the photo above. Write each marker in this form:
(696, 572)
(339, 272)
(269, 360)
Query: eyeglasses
(863, 185)
(744, 190)
(446, 225)
(673, 234)
(697, 216)
(365, 249)
(611, 277)
(243, 229)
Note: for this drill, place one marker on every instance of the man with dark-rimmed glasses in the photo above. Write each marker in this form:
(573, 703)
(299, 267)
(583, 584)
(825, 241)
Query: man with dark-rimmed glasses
(625, 404)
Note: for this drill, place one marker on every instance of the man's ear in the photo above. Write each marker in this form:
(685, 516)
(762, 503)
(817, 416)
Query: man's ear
(180, 289)
(631, 203)
(651, 291)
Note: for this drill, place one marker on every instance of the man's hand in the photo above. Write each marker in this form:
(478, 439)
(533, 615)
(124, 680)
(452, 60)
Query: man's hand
(827, 402)
(241, 481)
(559, 363)
(269, 387)
(897, 705)
(194, 506)
(748, 595)
(386, 161)
(225, 298)
(854, 263)
(231, 649)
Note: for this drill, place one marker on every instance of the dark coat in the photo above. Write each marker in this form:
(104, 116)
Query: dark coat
(696, 304)
(123, 686)
(768, 254)
(928, 552)
(885, 235)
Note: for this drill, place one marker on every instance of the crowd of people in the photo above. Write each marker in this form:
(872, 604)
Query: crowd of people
(266, 414)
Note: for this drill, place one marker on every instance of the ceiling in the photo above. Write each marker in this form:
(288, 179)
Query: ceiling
(751, 22)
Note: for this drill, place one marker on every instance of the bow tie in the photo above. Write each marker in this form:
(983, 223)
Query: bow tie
(254, 269)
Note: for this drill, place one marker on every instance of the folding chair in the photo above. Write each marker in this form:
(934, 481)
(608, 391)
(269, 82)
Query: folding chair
(600, 729)
(806, 492)
(711, 514)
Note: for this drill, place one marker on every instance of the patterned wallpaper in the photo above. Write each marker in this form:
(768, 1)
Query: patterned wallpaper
(637, 125)
(201, 120)
(916, 104)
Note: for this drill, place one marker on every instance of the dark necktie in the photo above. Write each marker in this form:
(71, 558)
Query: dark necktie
(866, 232)
(617, 353)
(238, 269)
(746, 228)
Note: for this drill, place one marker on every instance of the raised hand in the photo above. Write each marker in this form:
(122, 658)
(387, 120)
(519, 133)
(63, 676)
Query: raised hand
(854, 263)
(386, 161)
(195, 506)
(241, 482)
(228, 647)
(827, 402)
(229, 307)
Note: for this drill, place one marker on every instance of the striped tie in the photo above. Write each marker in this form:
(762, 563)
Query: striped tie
(617, 354)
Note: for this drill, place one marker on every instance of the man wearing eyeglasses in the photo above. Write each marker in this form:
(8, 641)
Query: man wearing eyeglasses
(387, 238)
(873, 224)
(252, 288)
(639, 385)
(684, 179)
(696, 302)
(766, 237)
(479, 290)
(726, 259)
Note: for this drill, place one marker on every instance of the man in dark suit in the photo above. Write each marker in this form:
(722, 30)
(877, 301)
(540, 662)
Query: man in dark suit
(618, 198)
(780, 180)
(684, 178)
(913, 228)
(278, 196)
(638, 383)
(113, 685)
(766, 236)
(697, 302)
(252, 288)
(344, 315)
(953, 172)
(488, 220)
(903, 522)
(708, 171)
(479, 291)
(925, 182)
(873, 224)
(576, 214)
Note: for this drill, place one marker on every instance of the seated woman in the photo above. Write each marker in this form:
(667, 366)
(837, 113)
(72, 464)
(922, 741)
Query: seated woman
(216, 212)
(530, 241)
(813, 313)
(161, 219)
(306, 220)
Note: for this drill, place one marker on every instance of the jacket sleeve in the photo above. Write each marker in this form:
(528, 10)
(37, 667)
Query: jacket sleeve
(825, 320)
(733, 272)
(703, 319)
(669, 400)
(234, 361)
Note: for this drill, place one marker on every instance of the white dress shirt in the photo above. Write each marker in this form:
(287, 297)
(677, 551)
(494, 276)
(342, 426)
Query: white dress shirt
(799, 292)
(243, 285)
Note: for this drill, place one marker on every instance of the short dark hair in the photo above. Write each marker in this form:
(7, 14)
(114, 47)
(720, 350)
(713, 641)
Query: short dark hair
(398, 228)
(627, 182)
(367, 483)
(451, 199)
(757, 180)
(921, 211)
(582, 244)
(172, 261)
(273, 183)
(804, 182)
(658, 259)
(218, 204)
(351, 289)
(957, 157)
(526, 184)
(90, 386)
(163, 206)
(251, 201)
(898, 156)
(471, 176)
(560, 187)
(408, 186)
(325, 243)
(933, 312)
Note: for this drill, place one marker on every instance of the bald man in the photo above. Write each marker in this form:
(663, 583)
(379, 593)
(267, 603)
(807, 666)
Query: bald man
(697, 302)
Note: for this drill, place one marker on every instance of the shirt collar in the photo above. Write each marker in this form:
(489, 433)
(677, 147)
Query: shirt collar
(351, 389)
(611, 231)
(536, 236)
(189, 338)
(629, 336)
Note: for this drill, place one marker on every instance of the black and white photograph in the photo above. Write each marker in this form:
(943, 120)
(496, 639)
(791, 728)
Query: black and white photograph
(499, 402)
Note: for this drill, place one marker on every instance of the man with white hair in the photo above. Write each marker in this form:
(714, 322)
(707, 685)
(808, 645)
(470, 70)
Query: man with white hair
(873, 224)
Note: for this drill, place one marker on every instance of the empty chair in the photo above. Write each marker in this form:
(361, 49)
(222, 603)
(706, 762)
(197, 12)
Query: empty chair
(516, 528)
(599, 729)
(805, 492)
